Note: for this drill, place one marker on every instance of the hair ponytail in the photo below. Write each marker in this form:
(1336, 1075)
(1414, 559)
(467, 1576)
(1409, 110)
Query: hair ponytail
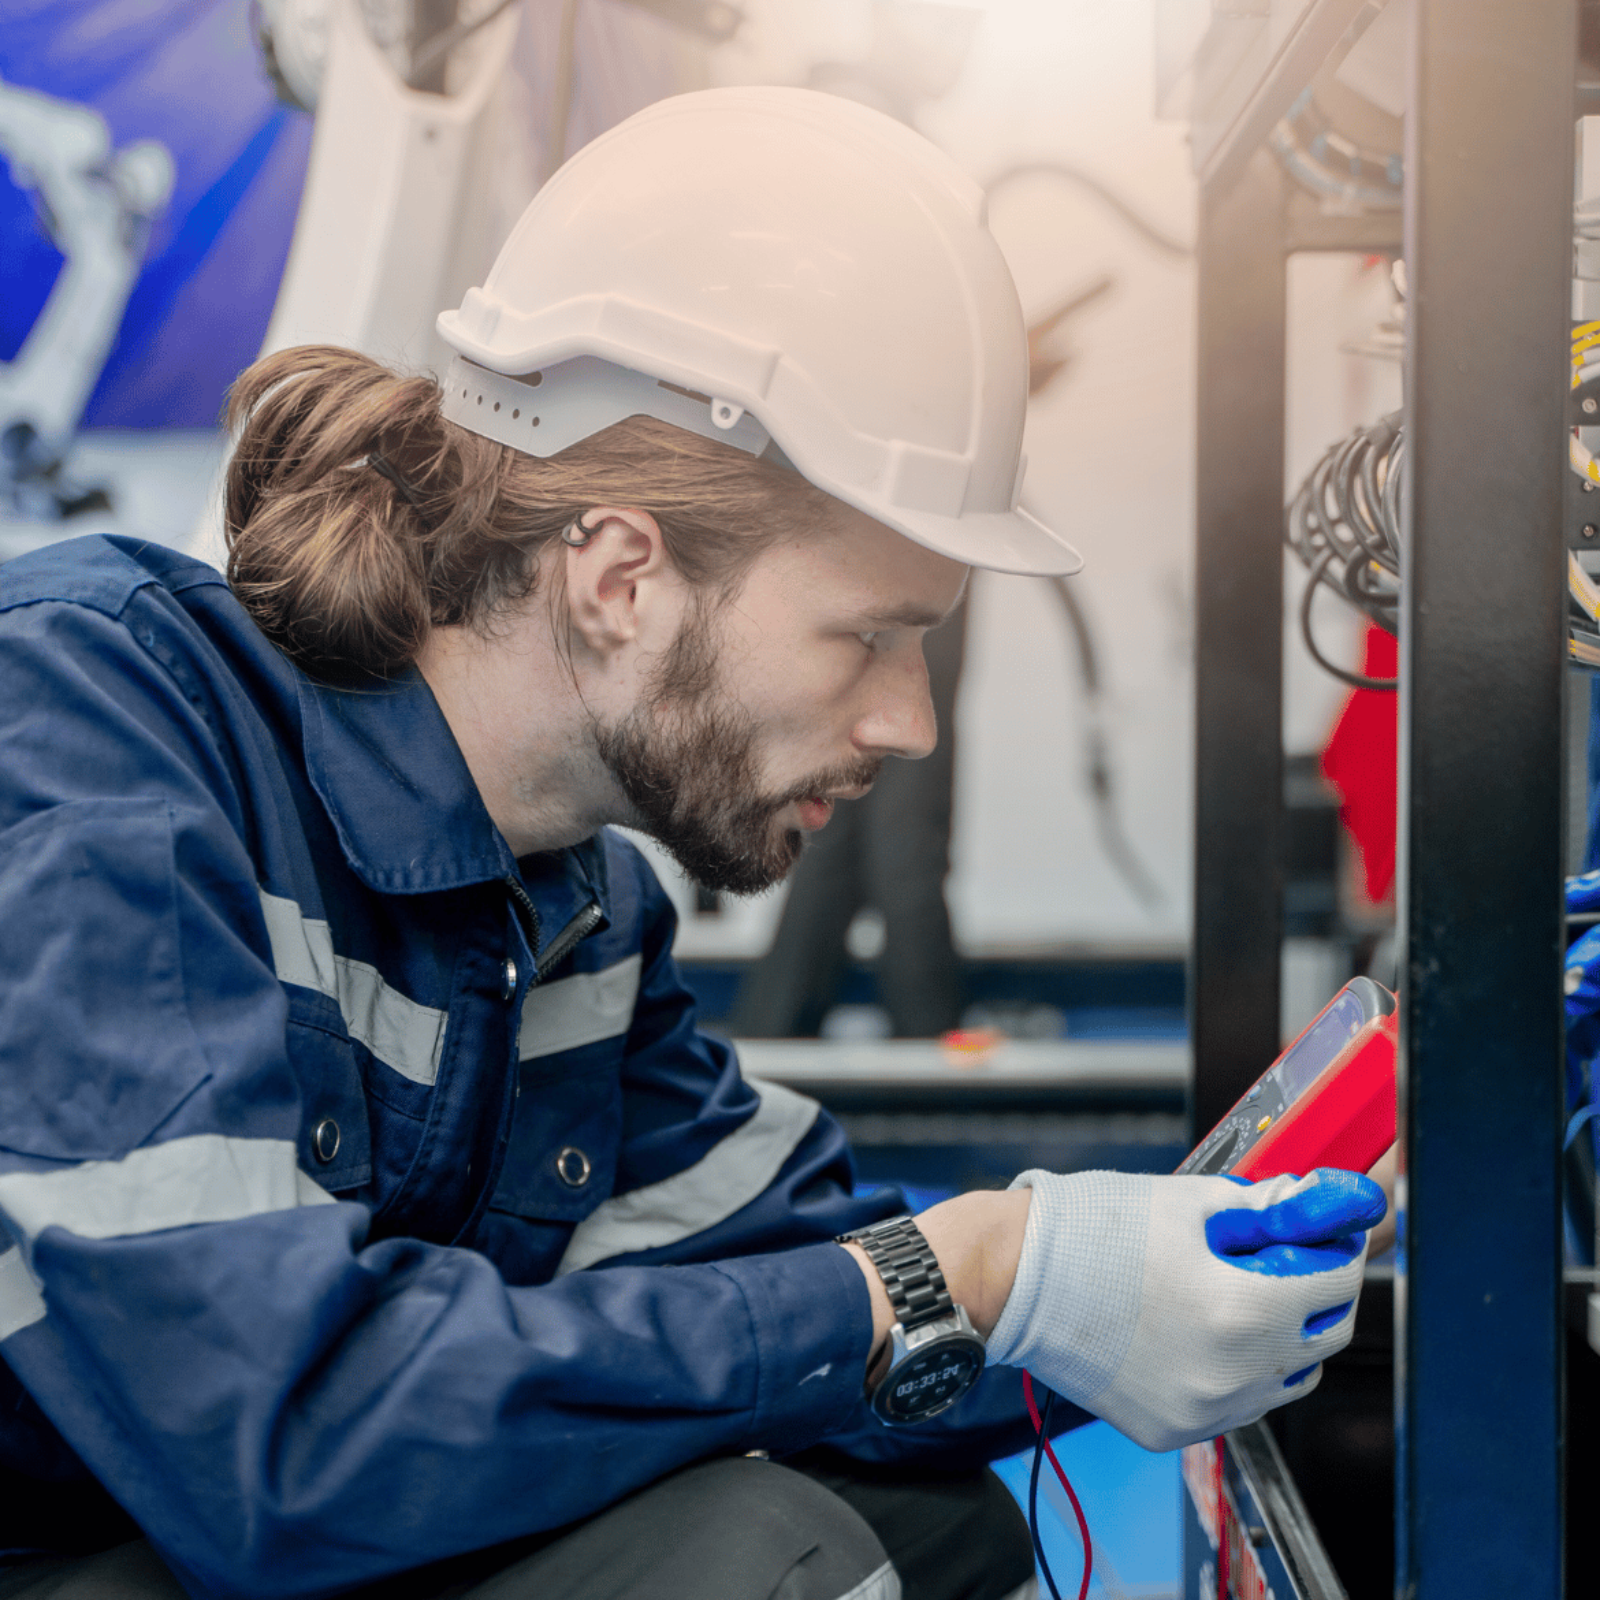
(347, 566)
(330, 556)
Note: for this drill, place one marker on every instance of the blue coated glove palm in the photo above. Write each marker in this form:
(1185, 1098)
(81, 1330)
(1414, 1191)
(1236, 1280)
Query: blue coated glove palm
(1177, 1308)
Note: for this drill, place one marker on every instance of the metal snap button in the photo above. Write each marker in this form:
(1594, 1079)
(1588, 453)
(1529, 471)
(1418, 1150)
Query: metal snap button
(508, 979)
(573, 1167)
(325, 1140)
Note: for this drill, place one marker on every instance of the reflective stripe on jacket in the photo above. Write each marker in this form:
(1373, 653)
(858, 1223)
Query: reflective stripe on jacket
(317, 1107)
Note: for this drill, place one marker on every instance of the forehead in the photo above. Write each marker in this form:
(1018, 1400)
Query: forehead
(867, 573)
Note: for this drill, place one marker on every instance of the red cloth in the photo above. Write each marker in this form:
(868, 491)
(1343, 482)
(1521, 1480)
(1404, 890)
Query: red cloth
(1362, 761)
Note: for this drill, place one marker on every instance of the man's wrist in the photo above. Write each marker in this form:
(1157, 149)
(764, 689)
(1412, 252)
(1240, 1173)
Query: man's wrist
(882, 1314)
(977, 1240)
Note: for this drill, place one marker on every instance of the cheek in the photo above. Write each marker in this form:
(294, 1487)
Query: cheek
(824, 706)
(798, 689)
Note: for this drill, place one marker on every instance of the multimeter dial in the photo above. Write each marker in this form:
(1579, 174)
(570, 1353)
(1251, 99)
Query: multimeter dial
(1240, 1129)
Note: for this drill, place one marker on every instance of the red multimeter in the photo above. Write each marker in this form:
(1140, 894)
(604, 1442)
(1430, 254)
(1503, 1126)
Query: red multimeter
(1327, 1101)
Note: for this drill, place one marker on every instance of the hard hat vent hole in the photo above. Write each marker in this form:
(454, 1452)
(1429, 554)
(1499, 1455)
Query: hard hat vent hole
(535, 421)
(515, 415)
(497, 405)
(480, 399)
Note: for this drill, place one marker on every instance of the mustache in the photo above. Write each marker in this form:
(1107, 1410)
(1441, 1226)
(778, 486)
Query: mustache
(860, 774)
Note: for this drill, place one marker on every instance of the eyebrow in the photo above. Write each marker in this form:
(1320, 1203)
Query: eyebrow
(907, 616)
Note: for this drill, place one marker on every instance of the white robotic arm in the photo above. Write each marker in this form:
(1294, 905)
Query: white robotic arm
(98, 203)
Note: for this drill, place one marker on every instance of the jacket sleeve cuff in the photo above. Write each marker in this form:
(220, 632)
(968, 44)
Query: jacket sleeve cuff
(811, 1319)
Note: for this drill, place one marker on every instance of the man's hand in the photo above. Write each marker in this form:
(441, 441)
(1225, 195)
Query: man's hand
(1179, 1307)
(1175, 1308)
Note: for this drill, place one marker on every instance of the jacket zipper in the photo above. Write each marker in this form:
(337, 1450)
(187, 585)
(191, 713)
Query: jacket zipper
(527, 913)
(570, 936)
(562, 945)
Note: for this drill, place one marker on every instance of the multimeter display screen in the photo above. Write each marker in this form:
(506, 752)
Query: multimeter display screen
(1326, 1037)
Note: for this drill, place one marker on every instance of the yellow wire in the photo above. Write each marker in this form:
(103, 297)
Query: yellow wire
(1582, 587)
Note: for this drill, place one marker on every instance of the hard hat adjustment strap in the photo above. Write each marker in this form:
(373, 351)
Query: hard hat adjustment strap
(544, 412)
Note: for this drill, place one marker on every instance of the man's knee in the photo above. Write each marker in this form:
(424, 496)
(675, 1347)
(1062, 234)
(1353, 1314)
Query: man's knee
(951, 1537)
(739, 1529)
(776, 1522)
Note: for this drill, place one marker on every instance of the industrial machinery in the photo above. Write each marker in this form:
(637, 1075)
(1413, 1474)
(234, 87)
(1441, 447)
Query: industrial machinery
(1344, 521)
(1440, 132)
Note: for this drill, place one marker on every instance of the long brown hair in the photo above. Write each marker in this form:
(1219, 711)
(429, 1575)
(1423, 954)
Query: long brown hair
(347, 571)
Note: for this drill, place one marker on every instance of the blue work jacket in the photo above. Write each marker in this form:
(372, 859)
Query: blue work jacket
(372, 1195)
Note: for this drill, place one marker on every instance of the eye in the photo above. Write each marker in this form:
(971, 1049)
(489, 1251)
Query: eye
(868, 639)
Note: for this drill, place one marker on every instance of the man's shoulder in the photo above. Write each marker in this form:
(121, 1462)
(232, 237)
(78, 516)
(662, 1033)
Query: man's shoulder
(102, 572)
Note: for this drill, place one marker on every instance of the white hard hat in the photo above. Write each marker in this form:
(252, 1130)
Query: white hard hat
(791, 273)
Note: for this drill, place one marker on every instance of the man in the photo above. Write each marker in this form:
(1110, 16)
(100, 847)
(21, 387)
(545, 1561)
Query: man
(380, 1219)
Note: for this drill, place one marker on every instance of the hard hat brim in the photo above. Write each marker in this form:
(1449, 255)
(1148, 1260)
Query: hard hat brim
(997, 541)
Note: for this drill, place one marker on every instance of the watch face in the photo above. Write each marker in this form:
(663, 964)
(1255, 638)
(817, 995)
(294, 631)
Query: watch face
(929, 1380)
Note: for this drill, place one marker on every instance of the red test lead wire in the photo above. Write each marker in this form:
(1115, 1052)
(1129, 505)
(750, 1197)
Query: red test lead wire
(1049, 1450)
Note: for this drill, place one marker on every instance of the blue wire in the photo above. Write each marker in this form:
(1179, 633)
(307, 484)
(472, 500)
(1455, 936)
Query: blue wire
(1579, 1117)
(1033, 1495)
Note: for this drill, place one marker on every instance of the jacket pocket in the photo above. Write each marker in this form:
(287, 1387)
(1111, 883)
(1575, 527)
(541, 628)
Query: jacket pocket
(95, 1033)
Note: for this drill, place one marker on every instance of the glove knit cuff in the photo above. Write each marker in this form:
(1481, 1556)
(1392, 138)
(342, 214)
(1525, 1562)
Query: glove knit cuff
(1088, 1229)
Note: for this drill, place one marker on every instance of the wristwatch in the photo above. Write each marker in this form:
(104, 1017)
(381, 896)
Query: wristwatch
(935, 1354)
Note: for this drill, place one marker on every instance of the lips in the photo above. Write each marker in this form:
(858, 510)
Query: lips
(814, 812)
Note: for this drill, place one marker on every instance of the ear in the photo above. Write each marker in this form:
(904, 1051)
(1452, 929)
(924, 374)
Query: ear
(613, 575)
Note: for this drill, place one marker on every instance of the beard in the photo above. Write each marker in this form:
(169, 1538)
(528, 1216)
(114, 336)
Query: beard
(687, 761)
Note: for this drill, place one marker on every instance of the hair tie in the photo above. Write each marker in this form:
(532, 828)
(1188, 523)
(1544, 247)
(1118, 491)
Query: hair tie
(407, 493)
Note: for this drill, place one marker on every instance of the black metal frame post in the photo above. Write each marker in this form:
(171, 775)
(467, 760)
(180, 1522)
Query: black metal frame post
(1478, 1303)
(1234, 973)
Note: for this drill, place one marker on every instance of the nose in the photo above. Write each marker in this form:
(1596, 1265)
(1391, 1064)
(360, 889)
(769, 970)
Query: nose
(899, 718)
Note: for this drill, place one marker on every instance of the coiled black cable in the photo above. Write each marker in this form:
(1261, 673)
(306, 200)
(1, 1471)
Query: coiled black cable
(1344, 524)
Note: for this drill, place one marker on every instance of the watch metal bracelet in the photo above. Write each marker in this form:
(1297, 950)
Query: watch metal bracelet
(909, 1269)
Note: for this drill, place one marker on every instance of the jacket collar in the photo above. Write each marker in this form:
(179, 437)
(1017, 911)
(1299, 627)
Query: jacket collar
(409, 818)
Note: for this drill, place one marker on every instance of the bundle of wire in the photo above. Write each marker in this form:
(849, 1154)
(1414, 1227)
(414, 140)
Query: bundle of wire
(1042, 1448)
(1344, 525)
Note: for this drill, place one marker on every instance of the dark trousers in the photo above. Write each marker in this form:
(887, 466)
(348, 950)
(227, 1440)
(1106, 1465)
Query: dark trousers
(734, 1529)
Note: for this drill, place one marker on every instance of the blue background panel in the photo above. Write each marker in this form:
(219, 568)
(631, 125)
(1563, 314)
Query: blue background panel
(1131, 1501)
(187, 73)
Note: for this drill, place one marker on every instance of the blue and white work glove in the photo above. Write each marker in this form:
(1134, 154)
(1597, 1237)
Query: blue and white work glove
(1179, 1307)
